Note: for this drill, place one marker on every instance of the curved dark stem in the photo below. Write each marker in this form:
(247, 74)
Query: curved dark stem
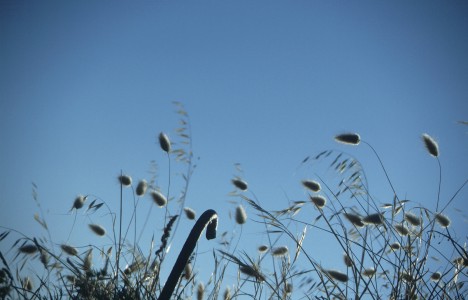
(208, 219)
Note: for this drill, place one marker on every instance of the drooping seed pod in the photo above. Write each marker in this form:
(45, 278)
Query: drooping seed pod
(88, 260)
(263, 248)
(164, 142)
(141, 188)
(97, 229)
(241, 215)
(288, 288)
(319, 201)
(348, 138)
(189, 213)
(125, 180)
(240, 184)
(188, 271)
(158, 198)
(312, 185)
(431, 145)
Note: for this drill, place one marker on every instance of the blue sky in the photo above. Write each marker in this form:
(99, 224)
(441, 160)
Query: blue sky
(85, 87)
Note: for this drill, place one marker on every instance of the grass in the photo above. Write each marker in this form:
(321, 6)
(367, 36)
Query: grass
(395, 250)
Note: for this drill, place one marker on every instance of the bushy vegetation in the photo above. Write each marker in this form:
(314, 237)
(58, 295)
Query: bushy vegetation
(395, 250)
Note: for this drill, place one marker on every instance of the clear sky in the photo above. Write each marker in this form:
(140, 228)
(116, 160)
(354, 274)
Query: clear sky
(86, 86)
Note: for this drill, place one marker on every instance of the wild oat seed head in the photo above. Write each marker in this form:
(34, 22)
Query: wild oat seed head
(374, 219)
(319, 201)
(189, 213)
(395, 246)
(69, 250)
(412, 219)
(337, 275)
(200, 291)
(348, 138)
(27, 284)
(79, 202)
(436, 276)
(368, 272)
(312, 185)
(443, 220)
(141, 188)
(289, 288)
(28, 249)
(263, 248)
(401, 229)
(97, 229)
(347, 260)
(227, 294)
(354, 219)
(87, 262)
(125, 180)
(431, 145)
(279, 251)
(240, 184)
(159, 198)
(164, 142)
(241, 215)
(188, 271)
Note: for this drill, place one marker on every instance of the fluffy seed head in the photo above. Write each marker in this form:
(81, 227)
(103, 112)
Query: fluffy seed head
(412, 219)
(401, 229)
(354, 219)
(263, 248)
(312, 185)
(436, 276)
(431, 145)
(443, 220)
(240, 184)
(27, 284)
(348, 138)
(28, 249)
(319, 201)
(288, 288)
(200, 291)
(188, 271)
(141, 188)
(251, 271)
(189, 213)
(158, 198)
(337, 275)
(368, 272)
(164, 142)
(87, 262)
(97, 229)
(279, 251)
(125, 180)
(44, 258)
(375, 219)
(227, 294)
(395, 246)
(241, 215)
(347, 260)
(69, 250)
(79, 202)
